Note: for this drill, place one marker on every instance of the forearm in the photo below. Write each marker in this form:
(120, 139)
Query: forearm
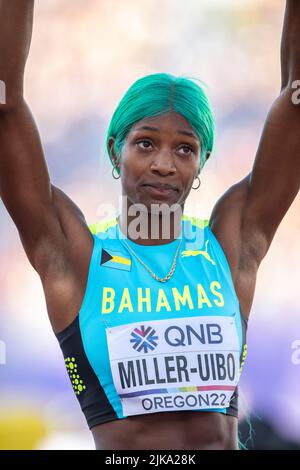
(16, 17)
(290, 44)
(24, 179)
(24, 176)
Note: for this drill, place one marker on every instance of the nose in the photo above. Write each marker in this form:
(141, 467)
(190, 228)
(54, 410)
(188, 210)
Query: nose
(163, 164)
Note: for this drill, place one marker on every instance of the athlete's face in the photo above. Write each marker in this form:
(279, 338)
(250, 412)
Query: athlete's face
(167, 155)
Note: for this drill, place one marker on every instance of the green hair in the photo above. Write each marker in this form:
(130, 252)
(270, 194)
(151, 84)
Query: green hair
(158, 94)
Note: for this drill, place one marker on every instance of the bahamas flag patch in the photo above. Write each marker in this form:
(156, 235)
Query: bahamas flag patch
(115, 259)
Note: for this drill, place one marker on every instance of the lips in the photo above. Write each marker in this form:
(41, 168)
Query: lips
(160, 191)
(161, 186)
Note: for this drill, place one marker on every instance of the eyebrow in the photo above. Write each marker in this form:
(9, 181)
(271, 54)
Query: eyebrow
(150, 128)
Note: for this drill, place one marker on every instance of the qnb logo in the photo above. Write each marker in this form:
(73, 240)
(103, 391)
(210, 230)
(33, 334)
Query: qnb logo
(2, 353)
(144, 339)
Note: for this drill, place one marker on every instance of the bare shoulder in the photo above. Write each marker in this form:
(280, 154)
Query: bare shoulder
(77, 234)
(242, 246)
(58, 249)
(65, 271)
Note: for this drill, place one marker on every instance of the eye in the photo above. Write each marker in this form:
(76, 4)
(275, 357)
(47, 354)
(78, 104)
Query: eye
(189, 148)
(143, 141)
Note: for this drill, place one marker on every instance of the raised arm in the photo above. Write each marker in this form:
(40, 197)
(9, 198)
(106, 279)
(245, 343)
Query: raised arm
(275, 178)
(290, 47)
(24, 181)
(249, 213)
(45, 217)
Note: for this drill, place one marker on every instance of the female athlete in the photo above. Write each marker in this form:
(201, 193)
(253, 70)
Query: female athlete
(150, 308)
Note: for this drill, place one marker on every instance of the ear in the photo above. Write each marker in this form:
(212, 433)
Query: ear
(113, 155)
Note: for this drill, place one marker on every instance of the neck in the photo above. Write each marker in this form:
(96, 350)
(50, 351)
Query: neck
(150, 228)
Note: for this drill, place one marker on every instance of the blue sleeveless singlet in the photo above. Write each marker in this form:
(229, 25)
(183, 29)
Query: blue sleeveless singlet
(142, 346)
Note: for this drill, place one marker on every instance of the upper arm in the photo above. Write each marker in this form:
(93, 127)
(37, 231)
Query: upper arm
(49, 224)
(275, 178)
(247, 216)
(24, 180)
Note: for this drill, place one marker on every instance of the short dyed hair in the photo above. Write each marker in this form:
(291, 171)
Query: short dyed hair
(160, 93)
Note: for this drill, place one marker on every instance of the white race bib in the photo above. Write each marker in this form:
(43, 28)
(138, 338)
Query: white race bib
(171, 365)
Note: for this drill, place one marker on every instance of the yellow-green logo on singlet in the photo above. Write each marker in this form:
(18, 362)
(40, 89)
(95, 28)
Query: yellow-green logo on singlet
(199, 252)
(77, 383)
(115, 259)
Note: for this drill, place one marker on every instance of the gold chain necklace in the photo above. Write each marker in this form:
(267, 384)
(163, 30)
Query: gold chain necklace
(160, 279)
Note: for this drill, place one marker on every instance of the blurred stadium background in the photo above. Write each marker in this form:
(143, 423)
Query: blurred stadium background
(84, 56)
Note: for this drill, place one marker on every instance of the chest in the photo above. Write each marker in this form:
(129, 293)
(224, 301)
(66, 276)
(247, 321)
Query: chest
(127, 287)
